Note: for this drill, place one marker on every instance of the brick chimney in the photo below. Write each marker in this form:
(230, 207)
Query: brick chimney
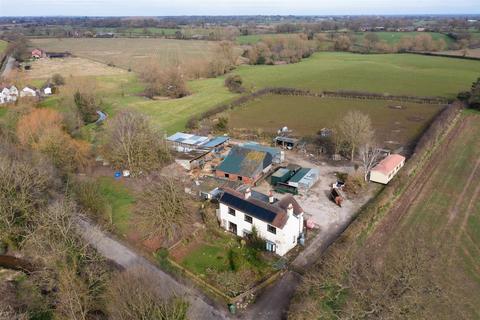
(271, 199)
(290, 210)
(248, 193)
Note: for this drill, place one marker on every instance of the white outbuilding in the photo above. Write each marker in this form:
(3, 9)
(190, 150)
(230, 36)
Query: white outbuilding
(387, 168)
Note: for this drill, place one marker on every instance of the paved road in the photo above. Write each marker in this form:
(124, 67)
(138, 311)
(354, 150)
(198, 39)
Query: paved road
(126, 258)
(9, 65)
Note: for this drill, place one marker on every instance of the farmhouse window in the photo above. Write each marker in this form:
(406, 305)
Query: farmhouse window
(240, 178)
(248, 218)
(272, 229)
(227, 175)
(231, 211)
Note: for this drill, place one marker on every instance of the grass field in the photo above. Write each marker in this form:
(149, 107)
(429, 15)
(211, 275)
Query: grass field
(446, 215)
(69, 67)
(307, 115)
(394, 37)
(401, 74)
(132, 53)
(394, 74)
(3, 46)
(254, 38)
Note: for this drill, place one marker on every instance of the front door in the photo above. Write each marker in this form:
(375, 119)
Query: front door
(270, 246)
(232, 227)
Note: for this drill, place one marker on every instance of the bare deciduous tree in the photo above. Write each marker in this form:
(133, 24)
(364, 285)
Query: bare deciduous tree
(131, 143)
(356, 129)
(136, 294)
(369, 154)
(163, 210)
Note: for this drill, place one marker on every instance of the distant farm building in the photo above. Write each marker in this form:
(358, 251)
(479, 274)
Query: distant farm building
(387, 168)
(286, 142)
(245, 164)
(278, 156)
(192, 159)
(53, 55)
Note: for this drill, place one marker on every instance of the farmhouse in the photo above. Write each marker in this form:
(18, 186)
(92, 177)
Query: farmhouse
(279, 223)
(387, 168)
(244, 164)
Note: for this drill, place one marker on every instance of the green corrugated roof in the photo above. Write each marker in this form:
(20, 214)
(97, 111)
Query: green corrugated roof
(245, 162)
(299, 175)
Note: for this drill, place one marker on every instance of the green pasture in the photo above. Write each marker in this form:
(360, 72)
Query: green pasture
(307, 115)
(396, 74)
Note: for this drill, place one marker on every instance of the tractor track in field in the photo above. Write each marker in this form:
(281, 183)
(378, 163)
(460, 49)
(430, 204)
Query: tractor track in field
(413, 190)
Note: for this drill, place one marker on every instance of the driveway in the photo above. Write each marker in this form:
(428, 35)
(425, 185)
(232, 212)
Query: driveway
(126, 258)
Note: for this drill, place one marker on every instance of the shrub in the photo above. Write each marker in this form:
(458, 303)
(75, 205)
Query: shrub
(222, 124)
(58, 79)
(89, 196)
(234, 83)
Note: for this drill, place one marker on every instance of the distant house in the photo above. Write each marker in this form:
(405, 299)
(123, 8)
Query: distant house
(279, 223)
(8, 94)
(244, 164)
(37, 53)
(28, 92)
(387, 168)
(47, 91)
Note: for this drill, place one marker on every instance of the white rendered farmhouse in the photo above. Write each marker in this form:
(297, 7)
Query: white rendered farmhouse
(279, 222)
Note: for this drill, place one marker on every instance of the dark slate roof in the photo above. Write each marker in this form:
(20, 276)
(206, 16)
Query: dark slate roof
(245, 162)
(266, 212)
(274, 214)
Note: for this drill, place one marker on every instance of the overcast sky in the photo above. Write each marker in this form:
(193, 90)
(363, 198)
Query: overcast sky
(235, 7)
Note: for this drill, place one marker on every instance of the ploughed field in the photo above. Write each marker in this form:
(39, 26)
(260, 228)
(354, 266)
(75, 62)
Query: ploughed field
(132, 53)
(396, 123)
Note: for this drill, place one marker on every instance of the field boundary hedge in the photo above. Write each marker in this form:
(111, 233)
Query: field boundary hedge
(192, 122)
(443, 55)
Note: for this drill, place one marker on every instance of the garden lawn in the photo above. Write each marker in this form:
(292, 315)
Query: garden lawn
(396, 74)
(120, 201)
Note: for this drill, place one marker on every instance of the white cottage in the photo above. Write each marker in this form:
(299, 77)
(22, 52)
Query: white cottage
(8, 94)
(278, 222)
(387, 168)
(28, 92)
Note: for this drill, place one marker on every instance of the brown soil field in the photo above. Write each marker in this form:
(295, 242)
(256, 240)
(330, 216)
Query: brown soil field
(67, 67)
(132, 53)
